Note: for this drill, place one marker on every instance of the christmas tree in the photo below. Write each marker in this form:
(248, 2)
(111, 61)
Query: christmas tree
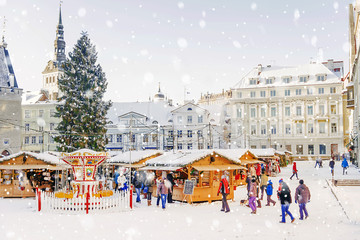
(81, 109)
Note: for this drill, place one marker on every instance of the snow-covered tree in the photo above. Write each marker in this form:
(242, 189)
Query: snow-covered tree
(82, 110)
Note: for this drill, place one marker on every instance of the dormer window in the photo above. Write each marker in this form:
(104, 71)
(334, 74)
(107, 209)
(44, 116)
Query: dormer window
(286, 79)
(189, 109)
(155, 122)
(269, 81)
(321, 77)
(253, 81)
(303, 79)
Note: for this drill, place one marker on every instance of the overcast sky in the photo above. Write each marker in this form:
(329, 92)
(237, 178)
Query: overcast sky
(203, 46)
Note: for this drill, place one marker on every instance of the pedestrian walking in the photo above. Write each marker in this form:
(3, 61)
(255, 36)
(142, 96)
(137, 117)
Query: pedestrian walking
(149, 183)
(258, 171)
(302, 197)
(224, 189)
(163, 191)
(295, 171)
(158, 195)
(263, 183)
(252, 195)
(269, 193)
(137, 184)
(344, 165)
(248, 182)
(332, 166)
(170, 178)
(284, 196)
(317, 162)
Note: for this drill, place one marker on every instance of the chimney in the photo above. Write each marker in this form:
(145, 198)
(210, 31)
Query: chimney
(259, 68)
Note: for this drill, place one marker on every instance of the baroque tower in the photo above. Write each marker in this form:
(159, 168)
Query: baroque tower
(54, 68)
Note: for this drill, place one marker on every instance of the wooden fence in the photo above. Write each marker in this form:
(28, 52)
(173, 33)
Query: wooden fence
(120, 201)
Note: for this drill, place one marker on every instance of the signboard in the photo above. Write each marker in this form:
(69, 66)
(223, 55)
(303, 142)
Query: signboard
(189, 187)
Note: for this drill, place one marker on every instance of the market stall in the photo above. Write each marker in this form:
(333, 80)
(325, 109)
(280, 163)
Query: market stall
(203, 167)
(270, 158)
(22, 172)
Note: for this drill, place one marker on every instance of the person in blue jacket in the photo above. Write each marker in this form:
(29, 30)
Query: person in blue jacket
(344, 165)
(269, 193)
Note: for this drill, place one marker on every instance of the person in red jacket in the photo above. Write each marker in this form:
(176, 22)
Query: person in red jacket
(294, 172)
(224, 190)
(258, 171)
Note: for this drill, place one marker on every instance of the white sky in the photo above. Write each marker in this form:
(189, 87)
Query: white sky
(204, 46)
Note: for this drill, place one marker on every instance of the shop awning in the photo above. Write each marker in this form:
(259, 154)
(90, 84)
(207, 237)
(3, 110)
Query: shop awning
(162, 168)
(217, 167)
(21, 167)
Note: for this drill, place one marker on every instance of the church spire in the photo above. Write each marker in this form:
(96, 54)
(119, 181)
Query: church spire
(59, 43)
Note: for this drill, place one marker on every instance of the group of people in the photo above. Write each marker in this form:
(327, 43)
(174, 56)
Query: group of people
(144, 182)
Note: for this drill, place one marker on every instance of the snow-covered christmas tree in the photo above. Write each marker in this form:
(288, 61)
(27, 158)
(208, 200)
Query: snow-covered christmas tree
(82, 109)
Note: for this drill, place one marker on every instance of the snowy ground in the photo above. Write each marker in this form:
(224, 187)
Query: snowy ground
(329, 219)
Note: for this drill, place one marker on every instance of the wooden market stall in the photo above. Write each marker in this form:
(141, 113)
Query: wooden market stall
(203, 167)
(270, 158)
(133, 159)
(22, 172)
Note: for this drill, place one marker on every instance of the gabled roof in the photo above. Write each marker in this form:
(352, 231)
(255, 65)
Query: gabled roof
(186, 105)
(133, 156)
(46, 157)
(132, 113)
(35, 97)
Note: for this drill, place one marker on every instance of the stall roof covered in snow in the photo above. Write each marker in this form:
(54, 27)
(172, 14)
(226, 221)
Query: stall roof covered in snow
(46, 157)
(155, 111)
(266, 152)
(133, 156)
(277, 73)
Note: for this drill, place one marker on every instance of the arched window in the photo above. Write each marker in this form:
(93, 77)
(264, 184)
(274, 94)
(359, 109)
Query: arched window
(5, 153)
(155, 122)
(189, 109)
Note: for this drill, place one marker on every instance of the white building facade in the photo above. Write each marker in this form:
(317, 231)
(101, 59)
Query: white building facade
(298, 109)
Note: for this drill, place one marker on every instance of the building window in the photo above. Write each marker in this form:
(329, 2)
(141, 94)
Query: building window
(310, 128)
(133, 138)
(253, 130)
(288, 148)
(6, 141)
(238, 112)
(286, 79)
(298, 92)
(321, 127)
(179, 146)
(189, 146)
(320, 77)
(322, 110)
(303, 79)
(146, 138)
(253, 81)
(200, 133)
(253, 112)
(310, 110)
(26, 140)
(322, 148)
(333, 128)
(41, 113)
(269, 81)
(273, 111)
(333, 90)
(299, 128)
(287, 92)
(262, 94)
(298, 110)
(27, 114)
(118, 138)
(41, 128)
(310, 91)
(189, 119)
(299, 149)
(239, 94)
(154, 138)
(287, 111)
(189, 133)
(272, 93)
(27, 127)
(52, 112)
(200, 119)
(333, 109)
(33, 140)
(287, 129)
(179, 133)
(263, 112)
(41, 140)
(273, 129)
(311, 149)
(110, 138)
(179, 118)
(321, 90)
(51, 139)
(263, 129)
(189, 109)
(252, 94)
(52, 126)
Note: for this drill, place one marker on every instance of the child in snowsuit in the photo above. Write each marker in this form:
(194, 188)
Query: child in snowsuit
(302, 196)
(269, 193)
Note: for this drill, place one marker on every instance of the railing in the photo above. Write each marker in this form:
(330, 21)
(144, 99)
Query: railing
(120, 201)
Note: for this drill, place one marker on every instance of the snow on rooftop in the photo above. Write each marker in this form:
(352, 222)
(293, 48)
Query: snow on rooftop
(179, 158)
(277, 72)
(267, 152)
(133, 156)
(46, 157)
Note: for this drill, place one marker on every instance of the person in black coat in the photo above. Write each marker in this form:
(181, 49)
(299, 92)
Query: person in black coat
(332, 165)
(171, 180)
(284, 194)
